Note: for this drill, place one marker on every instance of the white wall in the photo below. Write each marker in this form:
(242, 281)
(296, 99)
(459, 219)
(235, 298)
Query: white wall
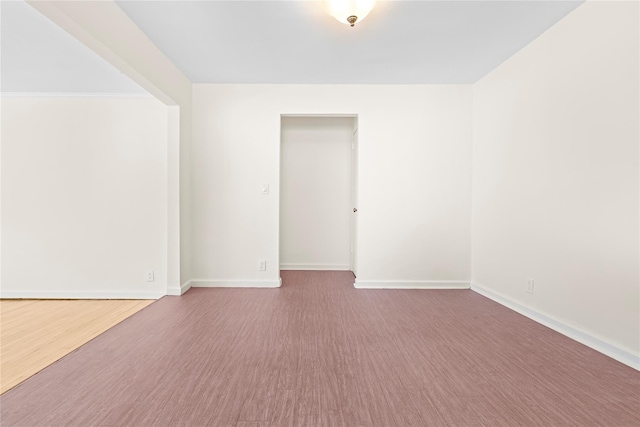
(107, 30)
(556, 178)
(414, 186)
(84, 197)
(315, 193)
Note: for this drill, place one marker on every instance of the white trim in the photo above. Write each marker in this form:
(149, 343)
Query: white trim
(319, 115)
(172, 237)
(74, 95)
(410, 284)
(175, 291)
(232, 283)
(334, 267)
(79, 295)
(599, 344)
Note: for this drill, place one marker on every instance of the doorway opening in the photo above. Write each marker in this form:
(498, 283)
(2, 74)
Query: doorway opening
(318, 192)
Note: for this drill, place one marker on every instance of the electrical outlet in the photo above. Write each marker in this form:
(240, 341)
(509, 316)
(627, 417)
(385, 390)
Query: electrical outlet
(530, 284)
(151, 276)
(262, 265)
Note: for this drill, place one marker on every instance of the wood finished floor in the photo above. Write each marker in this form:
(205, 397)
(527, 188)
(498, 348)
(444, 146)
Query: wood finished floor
(36, 333)
(318, 352)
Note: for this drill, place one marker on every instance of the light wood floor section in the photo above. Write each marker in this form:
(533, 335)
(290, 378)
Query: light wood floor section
(36, 333)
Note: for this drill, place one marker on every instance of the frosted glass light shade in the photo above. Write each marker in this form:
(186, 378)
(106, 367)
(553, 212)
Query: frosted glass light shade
(343, 10)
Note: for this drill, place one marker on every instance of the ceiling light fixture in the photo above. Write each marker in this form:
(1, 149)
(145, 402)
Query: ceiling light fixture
(349, 11)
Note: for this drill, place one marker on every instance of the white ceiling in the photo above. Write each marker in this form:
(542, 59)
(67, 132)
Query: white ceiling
(400, 42)
(38, 56)
(211, 41)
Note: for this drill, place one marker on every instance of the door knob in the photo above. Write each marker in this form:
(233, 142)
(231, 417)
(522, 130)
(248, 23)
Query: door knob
(355, 209)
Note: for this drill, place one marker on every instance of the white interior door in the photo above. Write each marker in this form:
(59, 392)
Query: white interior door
(354, 199)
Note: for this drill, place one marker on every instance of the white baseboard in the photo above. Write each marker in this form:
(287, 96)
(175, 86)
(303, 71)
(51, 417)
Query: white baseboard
(236, 283)
(74, 95)
(175, 291)
(410, 284)
(615, 352)
(298, 267)
(79, 295)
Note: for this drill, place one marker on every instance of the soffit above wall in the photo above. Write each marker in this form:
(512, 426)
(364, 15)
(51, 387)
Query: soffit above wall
(40, 57)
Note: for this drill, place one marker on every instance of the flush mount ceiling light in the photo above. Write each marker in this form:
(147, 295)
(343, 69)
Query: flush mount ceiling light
(349, 11)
